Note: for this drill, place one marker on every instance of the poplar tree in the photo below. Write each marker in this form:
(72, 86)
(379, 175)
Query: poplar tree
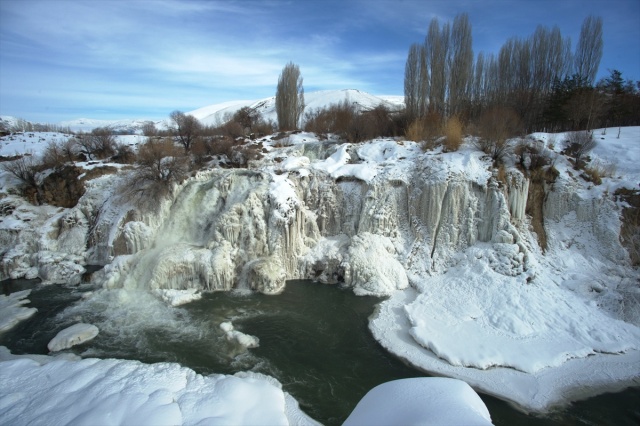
(416, 82)
(289, 97)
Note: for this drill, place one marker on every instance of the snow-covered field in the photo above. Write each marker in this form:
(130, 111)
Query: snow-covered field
(471, 293)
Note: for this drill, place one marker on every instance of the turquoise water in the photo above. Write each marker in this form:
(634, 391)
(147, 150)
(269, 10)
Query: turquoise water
(313, 339)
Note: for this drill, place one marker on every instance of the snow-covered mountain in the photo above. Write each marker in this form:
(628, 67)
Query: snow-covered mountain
(217, 114)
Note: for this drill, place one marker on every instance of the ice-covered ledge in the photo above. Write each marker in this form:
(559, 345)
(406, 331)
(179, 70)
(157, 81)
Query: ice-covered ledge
(575, 379)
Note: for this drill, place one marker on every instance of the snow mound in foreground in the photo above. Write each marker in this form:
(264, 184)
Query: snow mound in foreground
(93, 391)
(425, 401)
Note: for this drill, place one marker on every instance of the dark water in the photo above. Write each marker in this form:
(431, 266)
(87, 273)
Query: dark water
(313, 339)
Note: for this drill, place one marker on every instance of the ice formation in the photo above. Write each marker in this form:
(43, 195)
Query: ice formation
(12, 310)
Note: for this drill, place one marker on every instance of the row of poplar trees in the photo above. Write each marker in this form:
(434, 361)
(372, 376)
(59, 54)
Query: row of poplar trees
(443, 77)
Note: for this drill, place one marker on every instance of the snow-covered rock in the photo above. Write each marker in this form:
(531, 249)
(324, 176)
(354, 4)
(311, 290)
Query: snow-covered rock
(424, 401)
(239, 337)
(178, 297)
(72, 336)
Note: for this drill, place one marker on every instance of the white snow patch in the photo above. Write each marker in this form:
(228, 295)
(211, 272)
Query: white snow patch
(338, 166)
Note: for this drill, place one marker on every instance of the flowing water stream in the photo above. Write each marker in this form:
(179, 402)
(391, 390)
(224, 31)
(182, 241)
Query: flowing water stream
(313, 339)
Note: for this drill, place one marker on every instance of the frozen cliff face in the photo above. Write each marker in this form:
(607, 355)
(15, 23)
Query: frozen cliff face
(350, 213)
(387, 222)
(44, 242)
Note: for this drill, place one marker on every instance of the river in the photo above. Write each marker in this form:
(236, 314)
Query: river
(313, 339)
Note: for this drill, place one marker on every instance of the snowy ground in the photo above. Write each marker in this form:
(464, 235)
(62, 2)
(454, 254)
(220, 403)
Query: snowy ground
(531, 328)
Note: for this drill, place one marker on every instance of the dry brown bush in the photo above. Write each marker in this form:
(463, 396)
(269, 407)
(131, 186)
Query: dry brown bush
(160, 164)
(496, 126)
(452, 134)
(124, 154)
(427, 128)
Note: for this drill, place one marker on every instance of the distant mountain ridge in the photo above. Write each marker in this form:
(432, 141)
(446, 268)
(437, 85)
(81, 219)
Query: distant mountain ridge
(217, 114)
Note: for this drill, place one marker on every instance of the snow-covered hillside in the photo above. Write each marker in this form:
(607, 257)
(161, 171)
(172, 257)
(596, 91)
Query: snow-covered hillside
(217, 114)
(472, 294)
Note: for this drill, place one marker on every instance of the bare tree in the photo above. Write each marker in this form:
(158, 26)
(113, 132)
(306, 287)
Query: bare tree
(289, 97)
(589, 49)
(160, 163)
(149, 129)
(416, 82)
(437, 48)
(186, 128)
(100, 143)
(461, 65)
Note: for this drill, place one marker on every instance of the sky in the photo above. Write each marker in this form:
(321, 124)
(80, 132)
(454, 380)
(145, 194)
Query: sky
(116, 59)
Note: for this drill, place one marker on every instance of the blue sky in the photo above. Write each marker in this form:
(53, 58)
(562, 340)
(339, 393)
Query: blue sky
(112, 59)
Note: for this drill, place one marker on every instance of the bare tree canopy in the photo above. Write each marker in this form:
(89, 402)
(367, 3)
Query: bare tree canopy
(289, 97)
(589, 49)
(187, 128)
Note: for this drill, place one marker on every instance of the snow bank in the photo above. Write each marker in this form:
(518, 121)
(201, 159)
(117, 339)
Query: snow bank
(474, 316)
(338, 165)
(93, 391)
(12, 310)
(424, 401)
(576, 378)
(72, 336)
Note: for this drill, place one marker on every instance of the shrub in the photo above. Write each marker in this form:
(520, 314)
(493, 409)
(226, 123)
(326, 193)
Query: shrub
(124, 154)
(427, 128)
(417, 131)
(452, 134)
(25, 169)
(531, 155)
(578, 145)
(53, 155)
(495, 126)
